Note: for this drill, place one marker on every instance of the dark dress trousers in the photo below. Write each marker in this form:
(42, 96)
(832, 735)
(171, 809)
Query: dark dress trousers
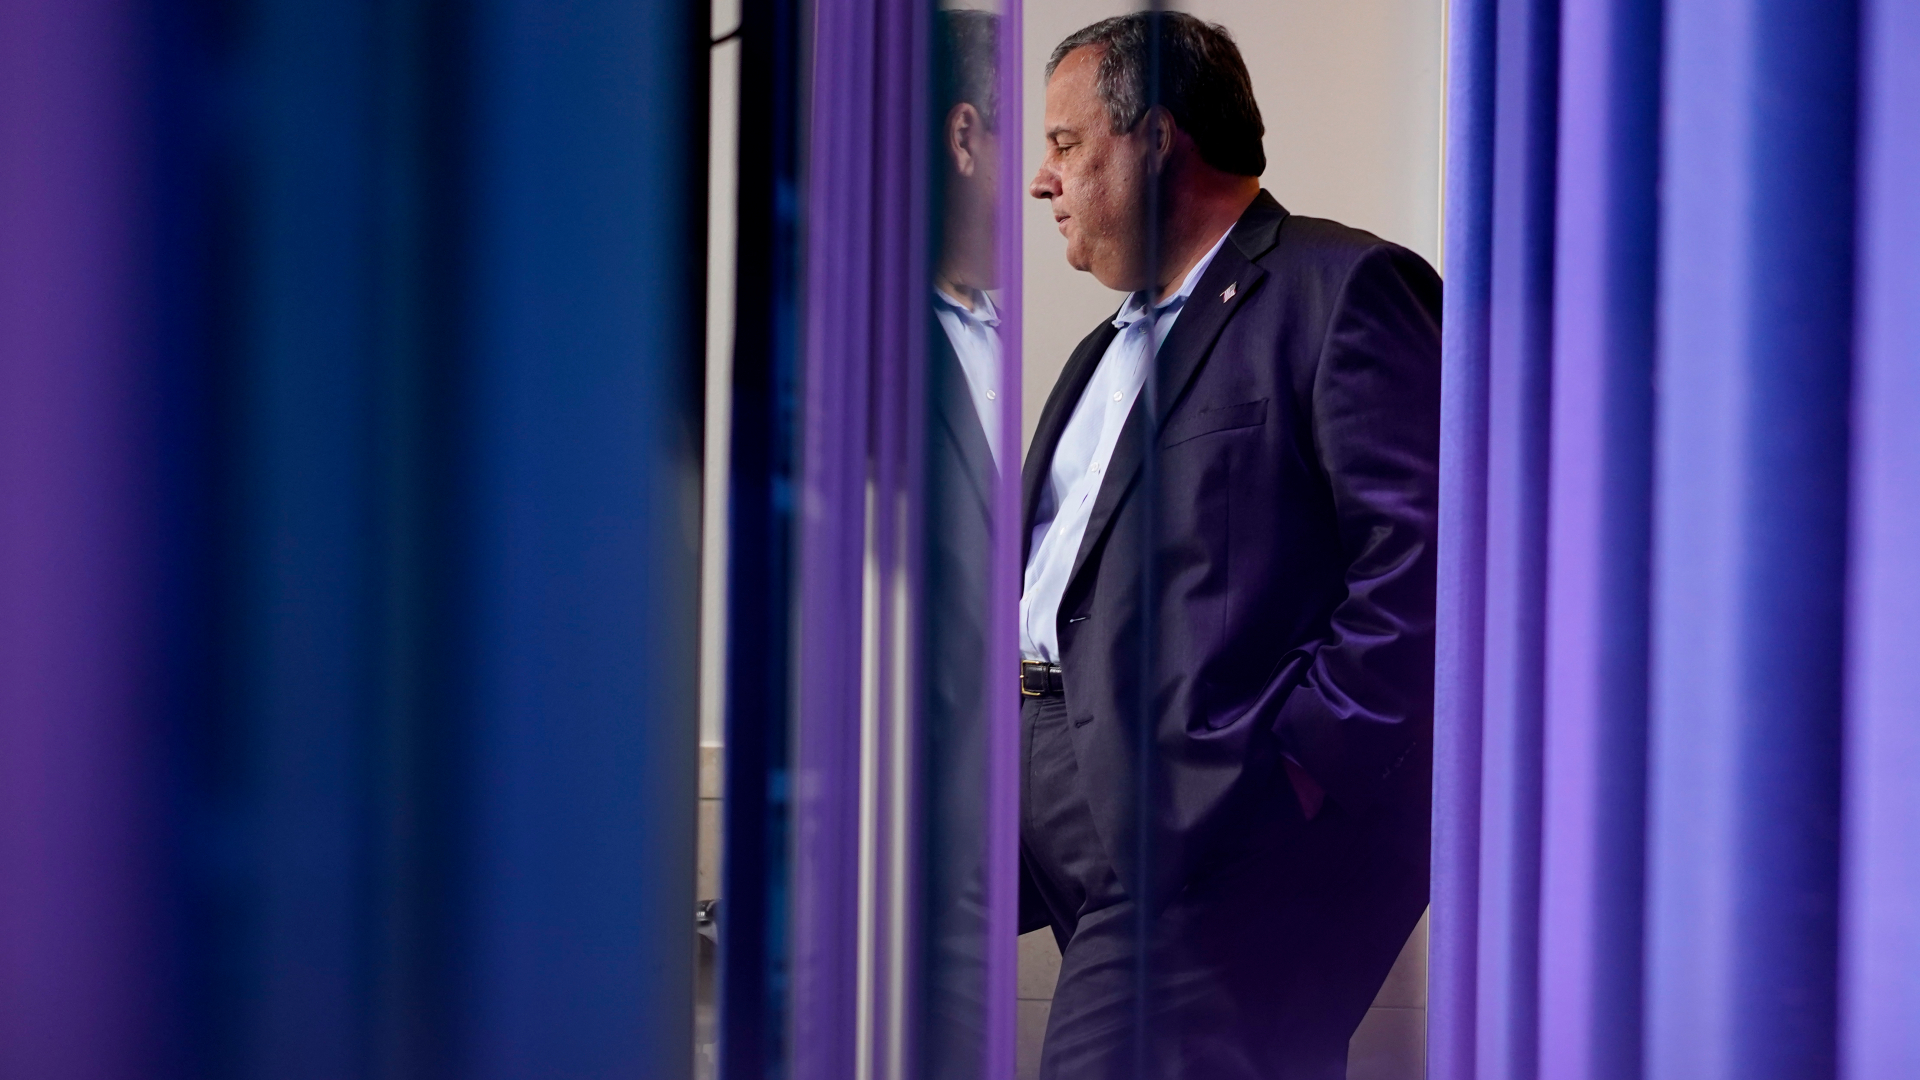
(1256, 583)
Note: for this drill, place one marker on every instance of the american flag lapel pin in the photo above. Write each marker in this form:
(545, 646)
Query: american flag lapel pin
(1226, 294)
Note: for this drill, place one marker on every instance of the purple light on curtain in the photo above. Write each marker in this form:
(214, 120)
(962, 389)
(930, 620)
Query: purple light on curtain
(1881, 967)
(248, 824)
(842, 220)
(1003, 741)
(79, 957)
(866, 290)
(862, 493)
(1690, 788)
(1594, 773)
(1462, 594)
(1756, 309)
(1519, 374)
(899, 467)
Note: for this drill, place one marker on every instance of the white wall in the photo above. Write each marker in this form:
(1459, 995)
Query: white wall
(1351, 94)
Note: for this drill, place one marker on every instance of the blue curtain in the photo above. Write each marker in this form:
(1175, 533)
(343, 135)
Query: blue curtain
(1677, 543)
(350, 368)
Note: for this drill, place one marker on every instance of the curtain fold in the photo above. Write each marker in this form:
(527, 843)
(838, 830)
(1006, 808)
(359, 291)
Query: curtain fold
(1594, 743)
(349, 439)
(904, 886)
(1880, 988)
(1519, 380)
(847, 213)
(1676, 528)
(1461, 588)
(1750, 538)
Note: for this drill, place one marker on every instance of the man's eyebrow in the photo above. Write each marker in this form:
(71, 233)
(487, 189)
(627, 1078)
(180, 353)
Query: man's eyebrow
(1061, 129)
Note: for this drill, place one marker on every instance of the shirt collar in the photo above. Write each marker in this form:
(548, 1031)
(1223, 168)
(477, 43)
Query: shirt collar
(1136, 306)
(983, 311)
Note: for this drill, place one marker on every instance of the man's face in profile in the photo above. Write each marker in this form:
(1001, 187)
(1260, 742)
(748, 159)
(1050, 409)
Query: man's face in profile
(1096, 180)
(973, 154)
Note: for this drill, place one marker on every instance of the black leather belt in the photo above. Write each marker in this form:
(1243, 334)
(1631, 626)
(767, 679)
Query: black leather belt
(1040, 679)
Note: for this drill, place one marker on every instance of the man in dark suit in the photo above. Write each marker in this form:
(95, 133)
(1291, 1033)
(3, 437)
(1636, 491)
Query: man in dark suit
(1227, 617)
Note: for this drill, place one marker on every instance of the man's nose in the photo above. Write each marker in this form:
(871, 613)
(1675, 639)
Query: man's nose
(1045, 184)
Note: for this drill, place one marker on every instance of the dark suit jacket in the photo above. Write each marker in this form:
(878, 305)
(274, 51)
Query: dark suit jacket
(961, 480)
(1290, 609)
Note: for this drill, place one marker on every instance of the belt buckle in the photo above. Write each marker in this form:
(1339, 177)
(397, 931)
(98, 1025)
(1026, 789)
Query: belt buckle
(1027, 688)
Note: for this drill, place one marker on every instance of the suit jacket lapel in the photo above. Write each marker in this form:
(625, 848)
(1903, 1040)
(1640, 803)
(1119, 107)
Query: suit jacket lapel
(955, 407)
(1053, 421)
(1187, 347)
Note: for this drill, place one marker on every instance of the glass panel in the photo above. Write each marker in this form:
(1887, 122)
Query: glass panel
(1206, 797)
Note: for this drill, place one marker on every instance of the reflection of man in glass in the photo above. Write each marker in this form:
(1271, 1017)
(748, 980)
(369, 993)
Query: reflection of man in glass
(970, 156)
(963, 422)
(1227, 615)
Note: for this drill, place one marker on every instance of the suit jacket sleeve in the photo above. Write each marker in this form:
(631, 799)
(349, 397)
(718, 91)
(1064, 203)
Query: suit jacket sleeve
(1363, 706)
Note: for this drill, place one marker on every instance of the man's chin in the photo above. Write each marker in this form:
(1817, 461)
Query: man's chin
(1111, 278)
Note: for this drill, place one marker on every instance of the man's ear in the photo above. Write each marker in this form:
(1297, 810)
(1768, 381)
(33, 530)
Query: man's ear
(1160, 132)
(963, 129)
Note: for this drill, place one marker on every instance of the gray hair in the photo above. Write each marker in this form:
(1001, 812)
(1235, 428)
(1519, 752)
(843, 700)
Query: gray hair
(972, 40)
(1203, 83)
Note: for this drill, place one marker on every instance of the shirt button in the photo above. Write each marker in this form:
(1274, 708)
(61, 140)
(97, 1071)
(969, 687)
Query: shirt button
(991, 395)
(1116, 395)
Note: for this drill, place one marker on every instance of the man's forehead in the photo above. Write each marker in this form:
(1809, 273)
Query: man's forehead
(1076, 71)
(1080, 60)
(1071, 91)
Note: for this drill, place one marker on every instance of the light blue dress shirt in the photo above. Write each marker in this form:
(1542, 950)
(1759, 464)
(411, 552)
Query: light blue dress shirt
(975, 337)
(1080, 459)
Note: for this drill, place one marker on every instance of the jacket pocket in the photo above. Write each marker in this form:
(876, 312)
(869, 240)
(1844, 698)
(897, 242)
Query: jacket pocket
(1220, 418)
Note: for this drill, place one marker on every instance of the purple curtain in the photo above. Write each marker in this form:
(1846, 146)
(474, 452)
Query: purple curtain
(859, 587)
(860, 137)
(1880, 920)
(82, 991)
(348, 369)
(1677, 543)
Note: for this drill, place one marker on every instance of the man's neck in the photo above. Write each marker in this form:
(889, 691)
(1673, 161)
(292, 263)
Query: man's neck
(963, 295)
(1203, 217)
